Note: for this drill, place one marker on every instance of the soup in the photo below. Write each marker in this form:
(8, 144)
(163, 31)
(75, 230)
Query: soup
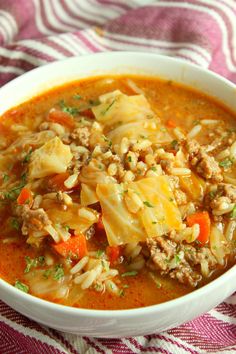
(117, 192)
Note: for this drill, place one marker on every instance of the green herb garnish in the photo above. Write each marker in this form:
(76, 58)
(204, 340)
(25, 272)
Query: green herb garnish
(77, 97)
(30, 263)
(21, 286)
(15, 224)
(233, 212)
(129, 274)
(153, 168)
(67, 109)
(227, 163)
(47, 273)
(5, 177)
(196, 122)
(174, 144)
(100, 253)
(129, 158)
(148, 204)
(13, 193)
(121, 293)
(27, 156)
(108, 107)
(59, 272)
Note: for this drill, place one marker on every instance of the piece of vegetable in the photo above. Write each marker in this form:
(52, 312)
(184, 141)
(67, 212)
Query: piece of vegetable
(120, 225)
(75, 247)
(21, 286)
(171, 124)
(69, 217)
(157, 205)
(132, 273)
(113, 253)
(53, 157)
(61, 117)
(204, 222)
(193, 185)
(25, 197)
(218, 245)
(88, 194)
(160, 213)
(57, 182)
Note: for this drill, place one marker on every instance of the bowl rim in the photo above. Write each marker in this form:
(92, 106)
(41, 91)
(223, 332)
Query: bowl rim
(133, 312)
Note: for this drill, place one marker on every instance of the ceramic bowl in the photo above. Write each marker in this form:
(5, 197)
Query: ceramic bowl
(140, 321)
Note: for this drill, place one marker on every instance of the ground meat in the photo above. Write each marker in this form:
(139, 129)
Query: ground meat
(221, 197)
(161, 250)
(205, 165)
(33, 219)
(81, 135)
(177, 260)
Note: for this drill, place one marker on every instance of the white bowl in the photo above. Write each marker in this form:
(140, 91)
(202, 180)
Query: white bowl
(139, 321)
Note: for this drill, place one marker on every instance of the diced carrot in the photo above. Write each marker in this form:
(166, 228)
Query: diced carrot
(87, 113)
(113, 253)
(171, 124)
(204, 222)
(100, 224)
(75, 247)
(57, 182)
(25, 197)
(63, 118)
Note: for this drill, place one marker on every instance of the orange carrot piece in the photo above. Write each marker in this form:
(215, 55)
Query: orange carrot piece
(113, 253)
(57, 181)
(63, 118)
(204, 222)
(171, 124)
(75, 247)
(25, 197)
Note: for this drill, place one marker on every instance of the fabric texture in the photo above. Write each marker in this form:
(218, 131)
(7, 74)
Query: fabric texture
(35, 32)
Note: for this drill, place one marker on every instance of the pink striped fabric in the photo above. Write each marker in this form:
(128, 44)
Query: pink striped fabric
(35, 32)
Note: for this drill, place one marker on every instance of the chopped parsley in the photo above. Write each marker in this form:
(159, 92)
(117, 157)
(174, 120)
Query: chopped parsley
(15, 224)
(21, 286)
(66, 227)
(153, 168)
(212, 194)
(227, 163)
(13, 193)
(47, 273)
(108, 107)
(59, 272)
(132, 273)
(33, 262)
(196, 122)
(5, 177)
(148, 204)
(77, 97)
(121, 293)
(154, 222)
(67, 109)
(100, 253)
(174, 144)
(107, 140)
(233, 212)
(143, 137)
(171, 199)
(27, 156)
(129, 158)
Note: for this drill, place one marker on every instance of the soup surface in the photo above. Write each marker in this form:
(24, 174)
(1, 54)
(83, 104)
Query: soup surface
(117, 192)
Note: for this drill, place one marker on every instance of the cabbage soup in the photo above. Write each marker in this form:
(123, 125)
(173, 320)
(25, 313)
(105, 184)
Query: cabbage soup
(117, 192)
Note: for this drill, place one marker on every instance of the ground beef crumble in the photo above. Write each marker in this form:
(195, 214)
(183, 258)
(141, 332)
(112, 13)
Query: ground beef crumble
(205, 165)
(178, 260)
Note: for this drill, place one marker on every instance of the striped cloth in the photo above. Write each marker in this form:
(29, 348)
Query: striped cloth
(35, 32)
